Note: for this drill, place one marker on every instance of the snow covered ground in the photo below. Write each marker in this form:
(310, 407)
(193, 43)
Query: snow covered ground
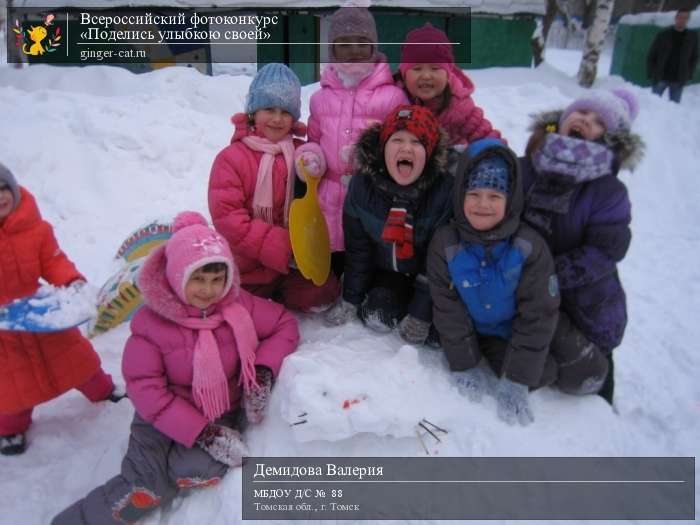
(105, 151)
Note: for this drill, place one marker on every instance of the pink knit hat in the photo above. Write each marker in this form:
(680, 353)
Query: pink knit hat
(426, 45)
(193, 245)
(353, 19)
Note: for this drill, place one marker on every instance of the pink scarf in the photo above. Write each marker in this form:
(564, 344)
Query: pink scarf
(262, 199)
(209, 383)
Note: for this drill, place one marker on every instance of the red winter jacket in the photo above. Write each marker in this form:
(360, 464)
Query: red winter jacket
(262, 250)
(36, 367)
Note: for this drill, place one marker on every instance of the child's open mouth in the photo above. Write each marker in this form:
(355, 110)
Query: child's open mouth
(405, 167)
(577, 133)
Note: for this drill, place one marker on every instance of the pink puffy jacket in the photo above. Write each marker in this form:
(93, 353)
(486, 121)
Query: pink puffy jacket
(338, 117)
(262, 250)
(157, 360)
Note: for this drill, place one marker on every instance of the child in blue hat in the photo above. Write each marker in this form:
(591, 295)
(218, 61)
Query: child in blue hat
(251, 188)
(493, 285)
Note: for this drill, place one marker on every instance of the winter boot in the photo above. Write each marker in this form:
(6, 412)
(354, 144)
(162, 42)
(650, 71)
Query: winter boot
(582, 366)
(381, 310)
(13, 444)
(606, 392)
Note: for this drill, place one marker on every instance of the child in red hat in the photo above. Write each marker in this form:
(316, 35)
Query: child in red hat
(398, 196)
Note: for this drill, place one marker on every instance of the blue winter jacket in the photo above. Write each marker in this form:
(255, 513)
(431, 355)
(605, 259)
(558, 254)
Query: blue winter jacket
(499, 282)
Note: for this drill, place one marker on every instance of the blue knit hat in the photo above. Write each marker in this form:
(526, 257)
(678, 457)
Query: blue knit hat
(275, 86)
(490, 173)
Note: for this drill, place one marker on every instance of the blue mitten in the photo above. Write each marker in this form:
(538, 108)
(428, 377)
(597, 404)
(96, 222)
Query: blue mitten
(512, 401)
(473, 382)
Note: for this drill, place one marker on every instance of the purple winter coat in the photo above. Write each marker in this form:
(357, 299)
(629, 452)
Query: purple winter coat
(587, 243)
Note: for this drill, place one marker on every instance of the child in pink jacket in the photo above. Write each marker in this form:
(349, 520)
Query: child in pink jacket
(251, 187)
(431, 78)
(357, 90)
(199, 348)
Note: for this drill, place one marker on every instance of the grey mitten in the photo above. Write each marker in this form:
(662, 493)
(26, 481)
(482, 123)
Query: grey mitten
(223, 444)
(512, 401)
(341, 312)
(413, 330)
(255, 401)
(473, 382)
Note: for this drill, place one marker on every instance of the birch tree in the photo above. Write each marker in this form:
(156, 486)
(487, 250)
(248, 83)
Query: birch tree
(539, 37)
(595, 39)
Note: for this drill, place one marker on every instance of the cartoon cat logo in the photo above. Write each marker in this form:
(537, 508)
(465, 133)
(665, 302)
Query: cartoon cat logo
(31, 41)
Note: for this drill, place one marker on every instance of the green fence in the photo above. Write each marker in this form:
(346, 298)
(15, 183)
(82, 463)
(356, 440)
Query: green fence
(494, 41)
(632, 43)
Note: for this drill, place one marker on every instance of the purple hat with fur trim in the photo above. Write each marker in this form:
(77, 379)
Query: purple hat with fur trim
(617, 108)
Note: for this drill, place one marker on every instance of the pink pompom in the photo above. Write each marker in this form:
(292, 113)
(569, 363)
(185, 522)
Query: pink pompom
(188, 218)
(630, 100)
(239, 119)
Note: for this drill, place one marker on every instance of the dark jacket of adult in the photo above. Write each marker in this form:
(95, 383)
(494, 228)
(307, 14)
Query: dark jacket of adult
(371, 194)
(590, 238)
(515, 276)
(660, 50)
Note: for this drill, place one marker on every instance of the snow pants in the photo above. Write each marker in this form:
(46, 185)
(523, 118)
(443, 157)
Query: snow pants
(154, 471)
(581, 366)
(298, 293)
(97, 388)
(494, 351)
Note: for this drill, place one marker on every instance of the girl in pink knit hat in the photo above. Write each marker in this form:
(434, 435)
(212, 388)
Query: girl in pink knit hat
(431, 78)
(357, 90)
(200, 348)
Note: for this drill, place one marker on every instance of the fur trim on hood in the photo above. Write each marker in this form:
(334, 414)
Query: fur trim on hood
(162, 299)
(627, 146)
(514, 205)
(369, 161)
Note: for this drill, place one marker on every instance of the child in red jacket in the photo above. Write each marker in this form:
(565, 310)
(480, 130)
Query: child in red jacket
(251, 188)
(37, 367)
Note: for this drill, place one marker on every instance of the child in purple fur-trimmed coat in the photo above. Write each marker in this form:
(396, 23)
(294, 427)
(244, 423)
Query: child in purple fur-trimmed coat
(574, 199)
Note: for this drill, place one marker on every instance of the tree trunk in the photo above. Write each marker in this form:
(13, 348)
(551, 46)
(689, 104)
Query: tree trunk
(595, 39)
(539, 38)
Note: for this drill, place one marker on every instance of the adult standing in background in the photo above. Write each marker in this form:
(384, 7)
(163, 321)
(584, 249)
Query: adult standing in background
(672, 57)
